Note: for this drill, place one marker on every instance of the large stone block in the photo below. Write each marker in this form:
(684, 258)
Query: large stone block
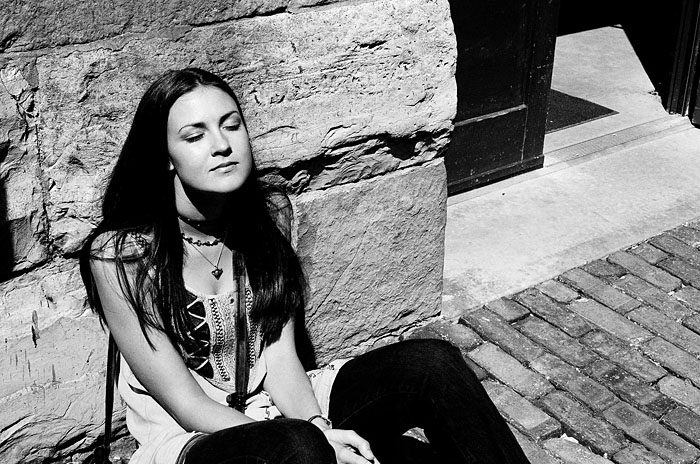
(30, 25)
(331, 96)
(22, 221)
(52, 391)
(34, 301)
(373, 252)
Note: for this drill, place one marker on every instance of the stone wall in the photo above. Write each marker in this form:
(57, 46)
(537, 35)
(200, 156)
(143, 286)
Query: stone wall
(349, 106)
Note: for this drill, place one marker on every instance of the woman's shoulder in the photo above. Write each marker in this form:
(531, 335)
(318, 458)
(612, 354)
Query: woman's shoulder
(125, 245)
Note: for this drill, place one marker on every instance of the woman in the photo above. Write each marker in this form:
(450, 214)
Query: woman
(192, 260)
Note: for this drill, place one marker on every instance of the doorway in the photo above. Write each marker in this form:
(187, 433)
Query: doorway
(626, 60)
(504, 70)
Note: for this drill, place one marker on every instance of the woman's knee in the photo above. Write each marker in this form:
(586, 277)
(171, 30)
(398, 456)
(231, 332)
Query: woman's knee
(432, 352)
(305, 442)
(438, 359)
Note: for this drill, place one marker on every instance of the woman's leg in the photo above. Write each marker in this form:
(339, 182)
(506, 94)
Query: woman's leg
(421, 383)
(278, 441)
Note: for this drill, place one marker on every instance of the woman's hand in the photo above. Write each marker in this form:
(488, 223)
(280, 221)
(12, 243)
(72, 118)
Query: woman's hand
(350, 448)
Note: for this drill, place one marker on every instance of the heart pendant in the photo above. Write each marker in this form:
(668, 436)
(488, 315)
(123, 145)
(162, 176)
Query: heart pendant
(217, 273)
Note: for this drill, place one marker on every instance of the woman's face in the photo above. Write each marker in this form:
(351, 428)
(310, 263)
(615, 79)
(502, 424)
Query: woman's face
(207, 142)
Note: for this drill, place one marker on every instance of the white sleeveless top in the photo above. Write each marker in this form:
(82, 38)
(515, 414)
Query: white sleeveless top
(159, 436)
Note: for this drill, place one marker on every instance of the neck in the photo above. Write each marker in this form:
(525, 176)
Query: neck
(203, 230)
(200, 209)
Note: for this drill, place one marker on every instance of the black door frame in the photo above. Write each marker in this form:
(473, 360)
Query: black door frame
(475, 133)
(684, 94)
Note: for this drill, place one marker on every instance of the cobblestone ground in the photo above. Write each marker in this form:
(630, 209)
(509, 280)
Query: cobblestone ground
(600, 364)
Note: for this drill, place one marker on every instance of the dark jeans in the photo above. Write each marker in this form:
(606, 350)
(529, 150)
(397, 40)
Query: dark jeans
(380, 395)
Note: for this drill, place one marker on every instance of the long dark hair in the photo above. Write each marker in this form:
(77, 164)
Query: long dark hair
(140, 202)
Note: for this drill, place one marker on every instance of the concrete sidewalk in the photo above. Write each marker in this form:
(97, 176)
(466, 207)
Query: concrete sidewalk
(505, 237)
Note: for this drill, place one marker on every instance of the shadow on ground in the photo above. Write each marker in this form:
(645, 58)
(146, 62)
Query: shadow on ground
(652, 31)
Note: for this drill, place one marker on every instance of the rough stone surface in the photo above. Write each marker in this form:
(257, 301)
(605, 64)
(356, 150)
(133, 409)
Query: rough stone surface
(610, 321)
(557, 291)
(629, 388)
(40, 24)
(604, 269)
(685, 423)
(641, 289)
(566, 377)
(53, 391)
(688, 235)
(35, 301)
(573, 453)
(693, 323)
(364, 247)
(557, 341)
(579, 422)
(648, 253)
(22, 218)
(349, 93)
(651, 434)
(689, 274)
(674, 246)
(637, 454)
(349, 106)
(553, 312)
(673, 358)
(529, 419)
(492, 327)
(508, 370)
(621, 353)
(508, 309)
(682, 391)
(646, 271)
(667, 328)
(690, 296)
(534, 452)
(599, 290)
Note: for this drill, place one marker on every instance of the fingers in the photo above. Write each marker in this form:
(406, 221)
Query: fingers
(348, 456)
(355, 448)
(352, 439)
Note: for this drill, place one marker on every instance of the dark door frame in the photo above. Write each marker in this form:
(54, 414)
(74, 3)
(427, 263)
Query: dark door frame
(684, 94)
(494, 141)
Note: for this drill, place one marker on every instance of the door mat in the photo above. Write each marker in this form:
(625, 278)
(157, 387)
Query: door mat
(565, 110)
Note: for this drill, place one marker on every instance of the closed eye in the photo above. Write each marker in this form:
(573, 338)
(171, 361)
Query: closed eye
(194, 138)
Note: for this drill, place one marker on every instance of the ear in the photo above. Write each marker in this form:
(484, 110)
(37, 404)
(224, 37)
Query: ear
(170, 166)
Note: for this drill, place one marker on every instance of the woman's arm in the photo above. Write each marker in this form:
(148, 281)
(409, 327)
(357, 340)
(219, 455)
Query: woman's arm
(160, 369)
(286, 380)
(290, 389)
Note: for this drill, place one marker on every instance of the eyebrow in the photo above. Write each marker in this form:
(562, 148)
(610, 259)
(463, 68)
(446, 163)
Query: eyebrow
(201, 125)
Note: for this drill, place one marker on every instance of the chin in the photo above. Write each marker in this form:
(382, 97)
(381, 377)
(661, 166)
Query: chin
(228, 187)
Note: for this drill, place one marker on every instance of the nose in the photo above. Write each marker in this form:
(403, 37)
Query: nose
(220, 144)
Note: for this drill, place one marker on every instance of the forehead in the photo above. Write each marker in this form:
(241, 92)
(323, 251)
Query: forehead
(199, 105)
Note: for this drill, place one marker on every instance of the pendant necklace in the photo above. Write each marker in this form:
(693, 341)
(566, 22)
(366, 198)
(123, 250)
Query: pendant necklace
(194, 243)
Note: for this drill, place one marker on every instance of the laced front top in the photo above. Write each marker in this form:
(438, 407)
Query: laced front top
(212, 353)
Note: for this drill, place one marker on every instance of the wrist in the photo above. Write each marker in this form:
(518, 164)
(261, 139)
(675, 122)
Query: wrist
(321, 421)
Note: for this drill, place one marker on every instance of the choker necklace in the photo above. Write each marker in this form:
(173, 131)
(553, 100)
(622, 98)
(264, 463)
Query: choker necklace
(196, 223)
(217, 270)
(193, 241)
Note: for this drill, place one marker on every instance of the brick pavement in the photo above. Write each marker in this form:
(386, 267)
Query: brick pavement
(600, 364)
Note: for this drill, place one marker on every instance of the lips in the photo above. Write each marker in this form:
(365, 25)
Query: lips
(227, 166)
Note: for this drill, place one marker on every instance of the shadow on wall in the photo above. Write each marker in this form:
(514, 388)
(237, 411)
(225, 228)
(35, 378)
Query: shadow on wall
(6, 250)
(652, 31)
